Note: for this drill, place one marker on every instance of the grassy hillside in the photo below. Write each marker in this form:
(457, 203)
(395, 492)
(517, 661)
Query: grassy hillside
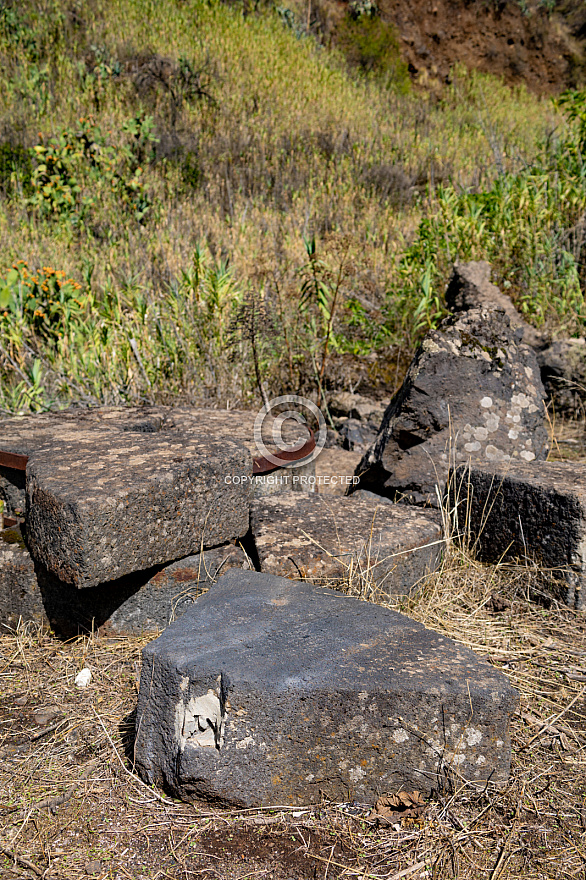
(187, 187)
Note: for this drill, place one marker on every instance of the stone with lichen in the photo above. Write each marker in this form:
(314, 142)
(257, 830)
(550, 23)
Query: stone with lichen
(472, 393)
(273, 691)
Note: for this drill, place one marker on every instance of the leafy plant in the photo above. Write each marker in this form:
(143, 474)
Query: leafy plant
(46, 301)
(72, 165)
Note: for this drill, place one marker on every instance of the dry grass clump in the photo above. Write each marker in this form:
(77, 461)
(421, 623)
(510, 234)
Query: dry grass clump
(73, 807)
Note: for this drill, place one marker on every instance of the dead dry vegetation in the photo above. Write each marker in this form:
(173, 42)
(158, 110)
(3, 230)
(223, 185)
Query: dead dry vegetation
(72, 806)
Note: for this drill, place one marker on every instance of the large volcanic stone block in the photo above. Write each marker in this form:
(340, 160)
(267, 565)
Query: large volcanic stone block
(473, 392)
(385, 545)
(532, 511)
(139, 602)
(271, 691)
(102, 504)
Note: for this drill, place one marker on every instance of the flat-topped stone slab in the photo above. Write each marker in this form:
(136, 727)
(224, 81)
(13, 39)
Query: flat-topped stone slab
(271, 691)
(26, 435)
(140, 602)
(323, 537)
(102, 504)
(535, 511)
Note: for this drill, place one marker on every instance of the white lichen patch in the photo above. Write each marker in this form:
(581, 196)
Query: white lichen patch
(486, 402)
(400, 735)
(244, 743)
(473, 736)
(527, 455)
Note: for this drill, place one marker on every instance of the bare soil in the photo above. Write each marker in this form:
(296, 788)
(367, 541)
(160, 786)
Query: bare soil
(520, 41)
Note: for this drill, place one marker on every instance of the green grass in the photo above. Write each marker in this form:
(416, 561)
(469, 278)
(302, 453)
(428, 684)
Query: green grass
(214, 145)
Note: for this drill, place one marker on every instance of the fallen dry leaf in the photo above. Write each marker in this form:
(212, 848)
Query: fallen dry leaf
(391, 809)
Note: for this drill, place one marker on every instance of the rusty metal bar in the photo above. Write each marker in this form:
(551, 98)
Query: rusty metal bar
(261, 465)
(13, 460)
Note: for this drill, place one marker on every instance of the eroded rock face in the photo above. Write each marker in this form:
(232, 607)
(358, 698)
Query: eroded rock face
(472, 393)
(272, 691)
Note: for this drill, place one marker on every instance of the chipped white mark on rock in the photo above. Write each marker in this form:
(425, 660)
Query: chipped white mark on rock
(356, 774)
(184, 683)
(486, 402)
(200, 723)
(244, 743)
(473, 736)
(528, 372)
(526, 455)
(400, 735)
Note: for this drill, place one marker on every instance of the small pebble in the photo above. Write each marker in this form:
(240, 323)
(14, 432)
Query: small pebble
(83, 678)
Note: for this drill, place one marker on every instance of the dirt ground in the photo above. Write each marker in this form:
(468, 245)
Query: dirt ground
(72, 806)
(522, 41)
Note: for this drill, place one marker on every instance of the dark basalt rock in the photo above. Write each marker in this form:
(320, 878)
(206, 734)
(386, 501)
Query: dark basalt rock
(530, 511)
(472, 393)
(103, 504)
(271, 691)
(386, 546)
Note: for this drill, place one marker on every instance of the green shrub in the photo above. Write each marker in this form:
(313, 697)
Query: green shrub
(46, 302)
(78, 166)
(371, 44)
